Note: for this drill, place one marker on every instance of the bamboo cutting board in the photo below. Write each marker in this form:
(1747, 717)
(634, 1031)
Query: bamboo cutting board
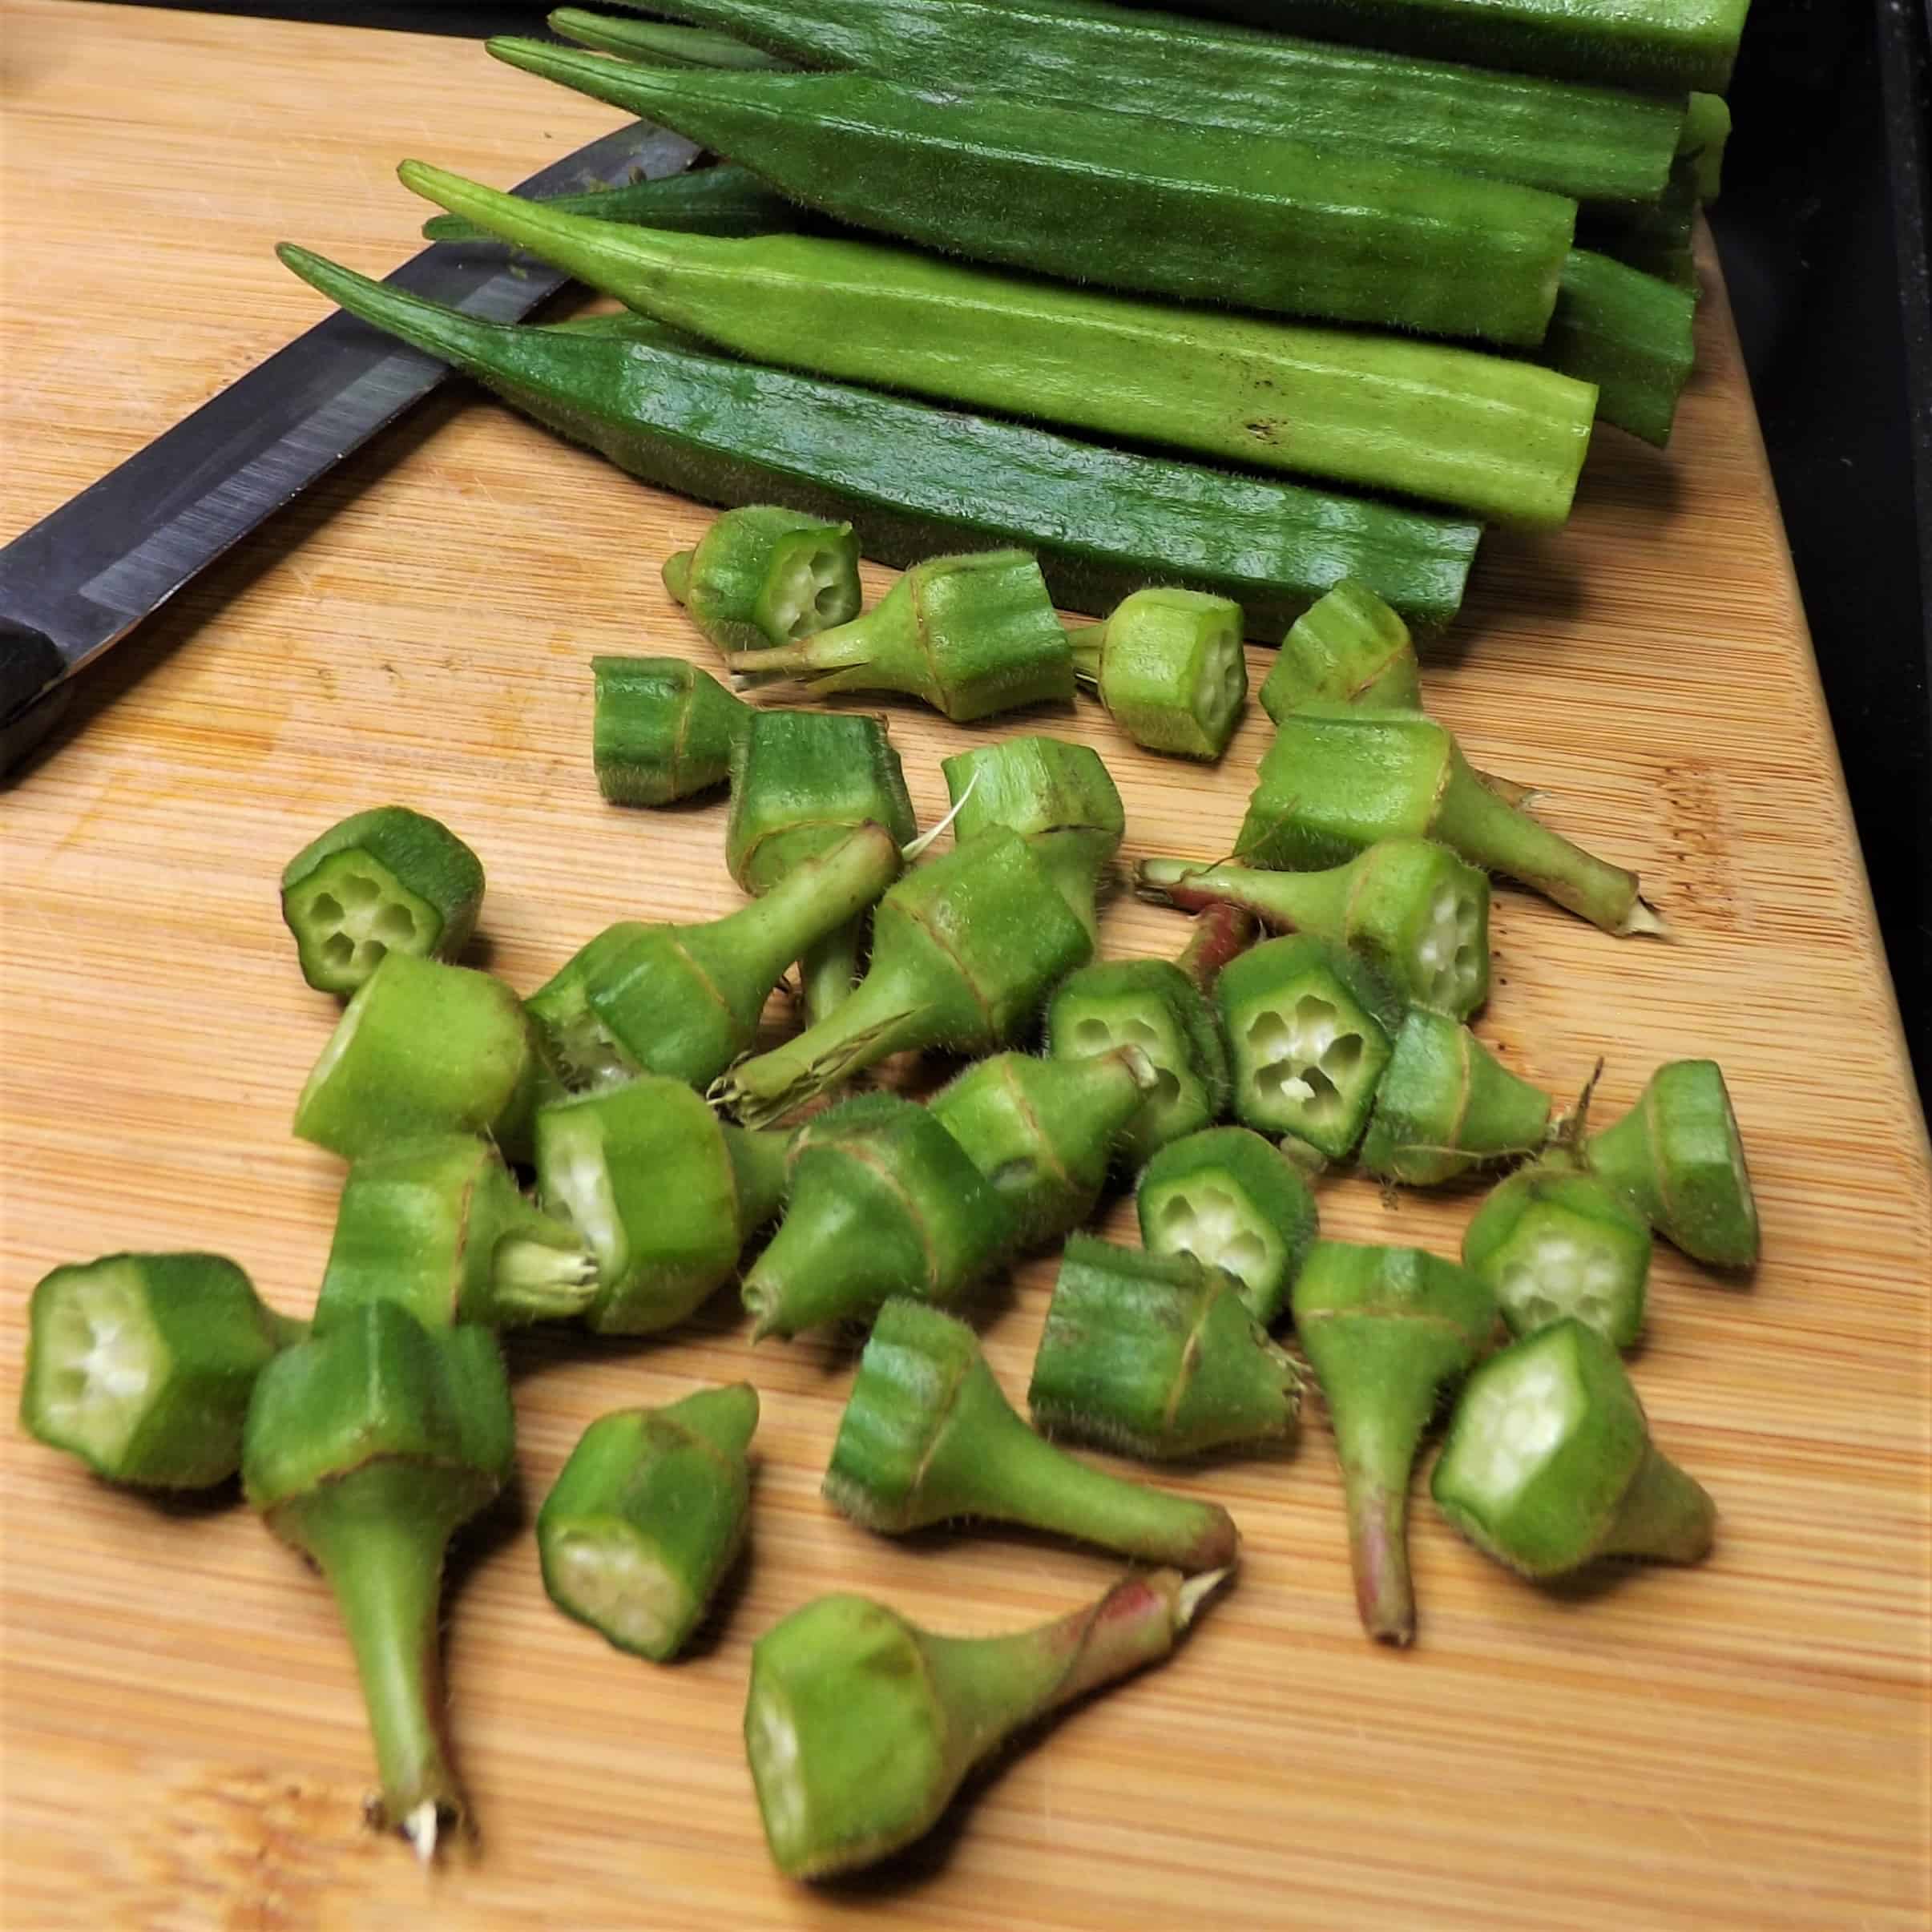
(1744, 1744)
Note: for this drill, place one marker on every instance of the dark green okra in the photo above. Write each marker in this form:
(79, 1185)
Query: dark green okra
(860, 1727)
(1447, 1104)
(881, 1201)
(659, 46)
(439, 1225)
(665, 1194)
(1386, 1330)
(684, 1001)
(1630, 333)
(762, 576)
(1549, 1462)
(1227, 1198)
(1169, 666)
(964, 950)
(927, 1436)
(388, 879)
(1347, 647)
(1043, 1132)
(1157, 1356)
(142, 1364)
(647, 1516)
(425, 1048)
(366, 1448)
(661, 730)
(720, 200)
(969, 635)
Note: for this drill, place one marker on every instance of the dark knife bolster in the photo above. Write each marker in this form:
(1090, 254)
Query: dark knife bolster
(33, 694)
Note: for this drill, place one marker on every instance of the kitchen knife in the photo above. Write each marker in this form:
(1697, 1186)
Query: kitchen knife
(87, 573)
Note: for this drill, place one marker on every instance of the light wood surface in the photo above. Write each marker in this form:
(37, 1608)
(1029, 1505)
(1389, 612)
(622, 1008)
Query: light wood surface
(1740, 1745)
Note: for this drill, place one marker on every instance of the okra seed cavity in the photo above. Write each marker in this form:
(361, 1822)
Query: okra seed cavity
(1303, 1057)
(1513, 1428)
(105, 1350)
(1092, 1036)
(1208, 1225)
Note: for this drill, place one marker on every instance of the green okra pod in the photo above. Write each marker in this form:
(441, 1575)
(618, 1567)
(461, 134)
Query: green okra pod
(1347, 647)
(440, 1225)
(881, 1201)
(1549, 1462)
(969, 635)
(1043, 1131)
(142, 1364)
(1630, 333)
(1418, 914)
(389, 879)
(860, 1727)
(801, 780)
(1446, 1104)
(927, 1436)
(365, 1448)
(1679, 1156)
(665, 1194)
(684, 1001)
(1157, 1356)
(1169, 666)
(658, 45)
(661, 730)
(1230, 1201)
(964, 950)
(1386, 1330)
(647, 1516)
(1059, 797)
(762, 576)
(719, 200)
(425, 1048)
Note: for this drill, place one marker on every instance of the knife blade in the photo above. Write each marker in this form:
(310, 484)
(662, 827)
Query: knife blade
(87, 574)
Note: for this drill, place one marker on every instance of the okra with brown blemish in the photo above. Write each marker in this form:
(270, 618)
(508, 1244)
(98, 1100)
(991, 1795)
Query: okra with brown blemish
(763, 576)
(662, 729)
(1347, 647)
(1169, 666)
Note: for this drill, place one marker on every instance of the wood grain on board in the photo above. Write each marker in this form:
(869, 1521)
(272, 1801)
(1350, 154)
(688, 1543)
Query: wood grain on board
(1744, 1744)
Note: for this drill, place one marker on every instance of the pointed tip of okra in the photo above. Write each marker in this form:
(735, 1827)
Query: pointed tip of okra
(450, 191)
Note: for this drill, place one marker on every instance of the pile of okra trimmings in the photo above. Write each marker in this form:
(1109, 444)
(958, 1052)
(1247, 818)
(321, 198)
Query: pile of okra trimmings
(1244, 313)
(1215, 1084)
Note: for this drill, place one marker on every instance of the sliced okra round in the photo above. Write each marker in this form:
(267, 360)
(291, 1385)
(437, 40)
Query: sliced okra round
(762, 576)
(1170, 668)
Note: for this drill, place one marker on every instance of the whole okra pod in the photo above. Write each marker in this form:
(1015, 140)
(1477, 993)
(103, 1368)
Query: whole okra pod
(1169, 666)
(762, 576)
(661, 730)
(718, 200)
(927, 1436)
(658, 45)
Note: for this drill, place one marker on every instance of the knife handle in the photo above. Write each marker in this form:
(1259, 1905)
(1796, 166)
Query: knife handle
(34, 690)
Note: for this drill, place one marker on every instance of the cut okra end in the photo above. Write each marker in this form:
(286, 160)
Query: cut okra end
(661, 729)
(1170, 667)
(763, 576)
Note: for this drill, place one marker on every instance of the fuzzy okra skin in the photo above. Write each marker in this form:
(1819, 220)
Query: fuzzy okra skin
(1347, 647)
(1386, 1330)
(964, 950)
(685, 1000)
(1229, 1200)
(647, 1516)
(365, 1448)
(1043, 1131)
(661, 729)
(1156, 1356)
(664, 1193)
(1337, 779)
(927, 1436)
(721, 200)
(1549, 1462)
(142, 1364)
(658, 45)
(880, 1201)
(1501, 438)
(1631, 334)
(763, 575)
(387, 879)
(859, 1726)
(1169, 667)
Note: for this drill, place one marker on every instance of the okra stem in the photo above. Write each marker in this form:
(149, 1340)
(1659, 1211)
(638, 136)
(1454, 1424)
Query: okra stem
(1222, 933)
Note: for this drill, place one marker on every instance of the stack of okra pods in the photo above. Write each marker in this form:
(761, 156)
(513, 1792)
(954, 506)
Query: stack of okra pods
(1217, 1084)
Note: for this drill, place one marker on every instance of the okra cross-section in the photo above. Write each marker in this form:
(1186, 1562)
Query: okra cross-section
(762, 575)
(1169, 666)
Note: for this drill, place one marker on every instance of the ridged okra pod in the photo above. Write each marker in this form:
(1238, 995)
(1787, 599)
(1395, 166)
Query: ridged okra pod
(1347, 647)
(142, 1364)
(684, 1001)
(1059, 796)
(1386, 1330)
(969, 635)
(366, 1449)
(927, 1436)
(1229, 1200)
(1157, 1356)
(1338, 778)
(881, 1201)
(425, 1048)
(1169, 666)
(1446, 1104)
(965, 949)
(661, 729)
(1418, 914)
(720, 200)
(801, 780)
(647, 1516)
(1043, 1131)
(763, 575)
(381, 880)
(1549, 1462)
(664, 1193)
(1630, 333)
(659, 46)
(440, 1226)
(1678, 1155)
(860, 1726)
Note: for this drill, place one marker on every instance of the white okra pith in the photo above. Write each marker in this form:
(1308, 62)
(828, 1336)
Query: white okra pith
(1168, 665)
